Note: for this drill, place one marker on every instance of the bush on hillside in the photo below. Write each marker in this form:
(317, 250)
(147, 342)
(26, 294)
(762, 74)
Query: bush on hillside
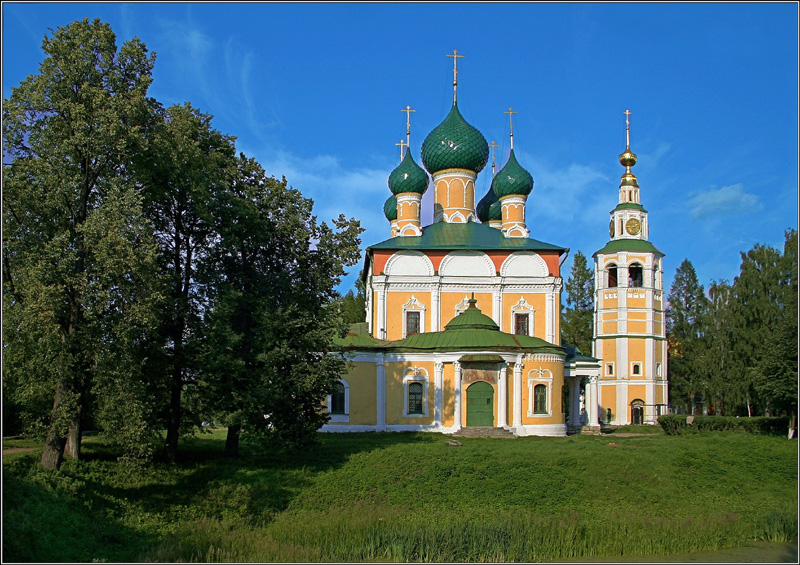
(676, 424)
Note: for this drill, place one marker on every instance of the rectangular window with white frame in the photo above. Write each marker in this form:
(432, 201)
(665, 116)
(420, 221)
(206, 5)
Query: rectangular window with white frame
(415, 393)
(609, 369)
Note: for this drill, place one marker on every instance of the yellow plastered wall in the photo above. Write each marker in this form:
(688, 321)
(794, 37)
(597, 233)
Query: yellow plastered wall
(362, 382)
(608, 399)
(449, 300)
(539, 303)
(609, 322)
(555, 392)
(395, 394)
(636, 354)
(632, 302)
(394, 314)
(609, 356)
(659, 394)
(448, 395)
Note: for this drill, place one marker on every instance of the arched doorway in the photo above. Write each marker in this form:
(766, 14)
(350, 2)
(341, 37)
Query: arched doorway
(637, 412)
(480, 404)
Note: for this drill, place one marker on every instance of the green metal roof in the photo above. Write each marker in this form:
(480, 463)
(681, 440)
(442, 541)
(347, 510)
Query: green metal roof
(512, 179)
(484, 205)
(634, 245)
(472, 236)
(629, 206)
(481, 359)
(454, 144)
(472, 319)
(408, 177)
(358, 338)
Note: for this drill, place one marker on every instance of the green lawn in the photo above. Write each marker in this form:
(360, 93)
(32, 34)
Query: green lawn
(408, 497)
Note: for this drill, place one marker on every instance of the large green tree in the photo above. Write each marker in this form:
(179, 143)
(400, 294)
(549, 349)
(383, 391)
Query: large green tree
(576, 319)
(78, 257)
(186, 166)
(687, 307)
(273, 309)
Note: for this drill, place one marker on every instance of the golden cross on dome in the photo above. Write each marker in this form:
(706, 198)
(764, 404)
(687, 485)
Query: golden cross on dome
(511, 113)
(408, 111)
(628, 126)
(402, 144)
(493, 145)
(455, 57)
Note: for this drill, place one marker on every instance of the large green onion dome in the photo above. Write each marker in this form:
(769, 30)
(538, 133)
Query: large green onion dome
(454, 144)
(408, 177)
(484, 206)
(512, 179)
(390, 208)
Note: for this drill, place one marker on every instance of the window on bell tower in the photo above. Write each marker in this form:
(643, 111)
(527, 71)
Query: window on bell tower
(635, 274)
(612, 275)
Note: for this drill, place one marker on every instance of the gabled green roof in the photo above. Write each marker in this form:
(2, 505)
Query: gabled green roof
(358, 338)
(640, 245)
(472, 236)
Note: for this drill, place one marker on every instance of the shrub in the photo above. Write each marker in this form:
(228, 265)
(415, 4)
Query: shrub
(676, 424)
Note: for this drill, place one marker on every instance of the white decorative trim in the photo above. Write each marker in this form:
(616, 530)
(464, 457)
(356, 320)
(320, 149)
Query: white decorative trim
(410, 230)
(544, 358)
(517, 230)
(525, 256)
(540, 380)
(415, 375)
(547, 430)
(455, 218)
(521, 307)
(340, 418)
(455, 255)
(462, 306)
(407, 254)
(413, 305)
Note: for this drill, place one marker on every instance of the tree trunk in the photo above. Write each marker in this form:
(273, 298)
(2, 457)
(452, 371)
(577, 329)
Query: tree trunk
(53, 453)
(792, 426)
(174, 419)
(232, 440)
(74, 436)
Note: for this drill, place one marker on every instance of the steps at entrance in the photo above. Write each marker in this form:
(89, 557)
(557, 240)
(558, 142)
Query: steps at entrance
(484, 431)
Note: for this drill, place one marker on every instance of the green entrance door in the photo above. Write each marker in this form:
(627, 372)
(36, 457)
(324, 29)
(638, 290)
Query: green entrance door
(480, 404)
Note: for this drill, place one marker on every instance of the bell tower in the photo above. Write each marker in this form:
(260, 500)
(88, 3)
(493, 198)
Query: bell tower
(629, 323)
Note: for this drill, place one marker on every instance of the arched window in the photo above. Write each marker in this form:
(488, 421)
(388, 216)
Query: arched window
(637, 412)
(415, 398)
(612, 275)
(635, 275)
(540, 399)
(337, 399)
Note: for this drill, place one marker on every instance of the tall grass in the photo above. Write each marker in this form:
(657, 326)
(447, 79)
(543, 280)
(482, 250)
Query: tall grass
(410, 497)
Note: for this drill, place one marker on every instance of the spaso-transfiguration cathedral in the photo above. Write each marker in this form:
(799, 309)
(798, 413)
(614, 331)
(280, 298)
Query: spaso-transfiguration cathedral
(462, 321)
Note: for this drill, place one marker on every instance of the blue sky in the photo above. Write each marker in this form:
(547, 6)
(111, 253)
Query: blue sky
(315, 91)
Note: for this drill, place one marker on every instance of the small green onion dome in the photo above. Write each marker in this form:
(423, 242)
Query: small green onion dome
(454, 144)
(408, 177)
(496, 212)
(512, 179)
(485, 204)
(390, 208)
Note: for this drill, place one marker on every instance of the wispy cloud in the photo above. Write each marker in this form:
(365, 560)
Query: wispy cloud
(725, 201)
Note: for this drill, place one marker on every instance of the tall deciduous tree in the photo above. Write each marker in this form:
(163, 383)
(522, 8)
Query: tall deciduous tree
(78, 258)
(187, 165)
(687, 306)
(576, 320)
(273, 309)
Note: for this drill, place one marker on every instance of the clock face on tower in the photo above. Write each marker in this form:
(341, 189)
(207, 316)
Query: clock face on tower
(611, 228)
(633, 226)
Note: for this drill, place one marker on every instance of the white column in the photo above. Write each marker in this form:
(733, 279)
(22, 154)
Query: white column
(518, 366)
(438, 380)
(497, 307)
(381, 329)
(457, 396)
(502, 400)
(550, 318)
(436, 308)
(380, 400)
(594, 402)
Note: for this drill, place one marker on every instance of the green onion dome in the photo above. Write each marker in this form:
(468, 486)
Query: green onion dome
(512, 179)
(485, 204)
(390, 208)
(408, 177)
(496, 212)
(454, 144)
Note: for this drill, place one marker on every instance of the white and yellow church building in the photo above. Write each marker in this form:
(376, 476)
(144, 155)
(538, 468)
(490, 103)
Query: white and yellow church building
(462, 323)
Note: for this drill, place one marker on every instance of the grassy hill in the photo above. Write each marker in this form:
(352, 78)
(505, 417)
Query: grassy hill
(408, 497)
